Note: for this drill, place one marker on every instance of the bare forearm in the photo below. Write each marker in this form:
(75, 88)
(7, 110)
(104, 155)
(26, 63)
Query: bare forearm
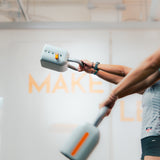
(119, 70)
(140, 87)
(145, 69)
(109, 77)
(114, 69)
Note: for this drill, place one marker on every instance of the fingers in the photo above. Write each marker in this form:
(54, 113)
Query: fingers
(109, 102)
(87, 66)
(108, 111)
(80, 68)
(87, 63)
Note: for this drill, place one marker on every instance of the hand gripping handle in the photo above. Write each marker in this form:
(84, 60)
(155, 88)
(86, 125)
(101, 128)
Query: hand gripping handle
(100, 116)
(76, 61)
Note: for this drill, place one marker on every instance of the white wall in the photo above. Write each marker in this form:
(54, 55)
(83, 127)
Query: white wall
(36, 124)
(1, 122)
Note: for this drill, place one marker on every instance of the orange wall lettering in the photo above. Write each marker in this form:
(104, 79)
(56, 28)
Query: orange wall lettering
(77, 83)
(139, 111)
(123, 117)
(92, 83)
(123, 114)
(60, 84)
(39, 88)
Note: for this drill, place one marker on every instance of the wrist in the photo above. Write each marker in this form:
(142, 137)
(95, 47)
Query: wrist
(96, 65)
(93, 64)
(95, 72)
(92, 71)
(114, 95)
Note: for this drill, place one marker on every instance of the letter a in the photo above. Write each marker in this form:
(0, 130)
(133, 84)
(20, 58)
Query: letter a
(62, 86)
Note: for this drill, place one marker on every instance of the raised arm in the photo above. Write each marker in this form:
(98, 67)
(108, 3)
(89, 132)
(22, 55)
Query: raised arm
(110, 73)
(109, 77)
(149, 66)
(113, 78)
(141, 86)
(114, 69)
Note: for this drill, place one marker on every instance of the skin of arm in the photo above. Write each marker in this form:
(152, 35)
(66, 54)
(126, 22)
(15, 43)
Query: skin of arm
(110, 73)
(145, 69)
(115, 78)
(141, 86)
(119, 70)
(149, 66)
(138, 88)
(109, 77)
(114, 69)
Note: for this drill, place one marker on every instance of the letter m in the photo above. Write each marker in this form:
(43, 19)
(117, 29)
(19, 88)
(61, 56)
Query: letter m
(39, 87)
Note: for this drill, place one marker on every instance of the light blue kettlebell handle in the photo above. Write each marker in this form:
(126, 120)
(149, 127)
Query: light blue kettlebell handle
(76, 61)
(100, 116)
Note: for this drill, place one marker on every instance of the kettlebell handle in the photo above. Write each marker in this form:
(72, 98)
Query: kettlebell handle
(76, 61)
(100, 116)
